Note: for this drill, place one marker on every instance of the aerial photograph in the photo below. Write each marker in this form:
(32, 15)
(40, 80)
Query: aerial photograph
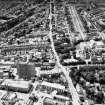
(52, 52)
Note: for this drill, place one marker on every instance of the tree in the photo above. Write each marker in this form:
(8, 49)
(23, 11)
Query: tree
(90, 92)
(99, 97)
(91, 77)
(33, 98)
(102, 78)
(39, 1)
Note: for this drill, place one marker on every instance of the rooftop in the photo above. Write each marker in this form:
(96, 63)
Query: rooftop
(16, 83)
(53, 85)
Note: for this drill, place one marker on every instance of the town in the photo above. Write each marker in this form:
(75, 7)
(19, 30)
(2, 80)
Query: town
(52, 52)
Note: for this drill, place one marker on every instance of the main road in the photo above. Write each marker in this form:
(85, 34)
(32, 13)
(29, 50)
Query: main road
(75, 97)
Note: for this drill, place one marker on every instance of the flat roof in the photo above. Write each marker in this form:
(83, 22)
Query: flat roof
(5, 67)
(62, 97)
(16, 83)
(53, 85)
(52, 101)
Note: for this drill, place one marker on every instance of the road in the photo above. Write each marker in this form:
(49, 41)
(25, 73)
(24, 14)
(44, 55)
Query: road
(72, 89)
(53, 71)
(77, 22)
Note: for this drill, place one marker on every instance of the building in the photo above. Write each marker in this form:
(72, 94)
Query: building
(22, 49)
(53, 86)
(61, 98)
(16, 86)
(4, 71)
(49, 101)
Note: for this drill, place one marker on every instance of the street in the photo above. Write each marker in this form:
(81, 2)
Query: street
(72, 89)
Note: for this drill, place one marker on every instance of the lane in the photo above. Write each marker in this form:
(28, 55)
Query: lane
(71, 35)
(77, 22)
